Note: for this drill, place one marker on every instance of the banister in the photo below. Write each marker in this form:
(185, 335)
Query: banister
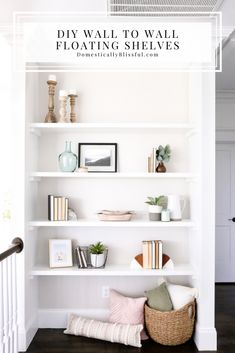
(16, 246)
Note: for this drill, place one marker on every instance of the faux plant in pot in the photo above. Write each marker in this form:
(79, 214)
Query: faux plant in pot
(97, 252)
(163, 154)
(155, 207)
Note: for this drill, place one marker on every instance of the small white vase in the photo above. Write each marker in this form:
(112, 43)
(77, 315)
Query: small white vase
(155, 212)
(97, 260)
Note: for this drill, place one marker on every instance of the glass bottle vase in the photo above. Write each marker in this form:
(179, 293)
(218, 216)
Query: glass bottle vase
(67, 159)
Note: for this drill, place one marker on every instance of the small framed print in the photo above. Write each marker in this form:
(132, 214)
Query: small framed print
(98, 157)
(60, 253)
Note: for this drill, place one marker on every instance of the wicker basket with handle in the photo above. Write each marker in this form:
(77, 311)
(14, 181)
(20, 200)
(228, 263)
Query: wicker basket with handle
(170, 327)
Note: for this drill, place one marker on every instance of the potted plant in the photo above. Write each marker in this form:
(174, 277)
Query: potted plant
(155, 207)
(97, 252)
(163, 154)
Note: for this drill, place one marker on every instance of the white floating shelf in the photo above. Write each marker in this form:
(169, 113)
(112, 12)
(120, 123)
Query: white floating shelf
(113, 224)
(39, 175)
(112, 270)
(39, 128)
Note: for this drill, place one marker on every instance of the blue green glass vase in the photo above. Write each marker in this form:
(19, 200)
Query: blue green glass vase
(67, 159)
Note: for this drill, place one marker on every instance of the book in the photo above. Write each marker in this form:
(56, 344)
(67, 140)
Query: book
(160, 254)
(66, 209)
(55, 209)
(145, 253)
(153, 255)
(79, 258)
(50, 207)
(62, 208)
(59, 209)
(83, 256)
(156, 255)
(149, 254)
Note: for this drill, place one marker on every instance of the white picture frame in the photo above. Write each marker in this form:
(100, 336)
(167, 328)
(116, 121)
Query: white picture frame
(60, 253)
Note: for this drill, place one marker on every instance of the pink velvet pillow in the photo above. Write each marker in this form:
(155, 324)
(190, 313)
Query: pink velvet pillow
(126, 310)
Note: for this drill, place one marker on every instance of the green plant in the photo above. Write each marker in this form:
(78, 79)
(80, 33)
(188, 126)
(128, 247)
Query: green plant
(157, 201)
(97, 248)
(163, 153)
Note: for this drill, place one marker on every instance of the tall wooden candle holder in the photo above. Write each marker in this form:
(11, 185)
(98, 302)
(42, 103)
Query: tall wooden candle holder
(63, 97)
(73, 115)
(50, 117)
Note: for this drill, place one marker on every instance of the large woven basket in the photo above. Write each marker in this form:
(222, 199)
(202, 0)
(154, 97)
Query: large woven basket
(170, 327)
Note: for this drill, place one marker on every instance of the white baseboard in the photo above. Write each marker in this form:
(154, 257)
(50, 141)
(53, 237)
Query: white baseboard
(205, 338)
(25, 336)
(57, 318)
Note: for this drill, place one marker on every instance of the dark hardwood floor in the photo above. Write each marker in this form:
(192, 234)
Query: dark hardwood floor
(54, 341)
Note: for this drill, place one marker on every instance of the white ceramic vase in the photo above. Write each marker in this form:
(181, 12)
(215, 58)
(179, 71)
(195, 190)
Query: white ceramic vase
(155, 212)
(97, 260)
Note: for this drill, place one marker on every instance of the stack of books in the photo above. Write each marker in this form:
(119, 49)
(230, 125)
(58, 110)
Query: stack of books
(152, 161)
(81, 255)
(152, 254)
(57, 208)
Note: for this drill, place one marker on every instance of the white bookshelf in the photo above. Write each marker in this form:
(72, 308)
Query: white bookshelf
(112, 270)
(42, 128)
(113, 224)
(123, 175)
(183, 106)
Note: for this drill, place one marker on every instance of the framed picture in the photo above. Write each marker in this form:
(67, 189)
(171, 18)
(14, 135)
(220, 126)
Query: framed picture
(98, 157)
(60, 252)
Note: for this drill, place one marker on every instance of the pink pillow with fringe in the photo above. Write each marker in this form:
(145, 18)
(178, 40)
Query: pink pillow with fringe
(126, 310)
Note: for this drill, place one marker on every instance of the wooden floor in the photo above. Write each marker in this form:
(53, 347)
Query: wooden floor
(54, 341)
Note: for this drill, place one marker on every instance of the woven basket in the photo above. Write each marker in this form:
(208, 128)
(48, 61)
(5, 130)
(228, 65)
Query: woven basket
(170, 328)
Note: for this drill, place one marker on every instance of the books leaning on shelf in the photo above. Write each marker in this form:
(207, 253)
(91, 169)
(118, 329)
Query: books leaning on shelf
(81, 256)
(57, 208)
(152, 254)
(152, 161)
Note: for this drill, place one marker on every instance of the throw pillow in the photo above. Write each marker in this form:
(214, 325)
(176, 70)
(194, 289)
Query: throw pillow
(181, 295)
(126, 310)
(119, 333)
(159, 298)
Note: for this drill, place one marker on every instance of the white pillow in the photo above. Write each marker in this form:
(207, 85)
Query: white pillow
(120, 333)
(181, 295)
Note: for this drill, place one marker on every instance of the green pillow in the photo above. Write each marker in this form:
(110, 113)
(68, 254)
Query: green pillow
(159, 298)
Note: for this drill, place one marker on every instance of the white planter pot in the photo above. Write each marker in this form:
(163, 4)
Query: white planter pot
(155, 212)
(97, 260)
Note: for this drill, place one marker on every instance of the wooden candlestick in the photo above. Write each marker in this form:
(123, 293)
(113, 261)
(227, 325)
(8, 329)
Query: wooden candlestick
(63, 111)
(73, 116)
(50, 117)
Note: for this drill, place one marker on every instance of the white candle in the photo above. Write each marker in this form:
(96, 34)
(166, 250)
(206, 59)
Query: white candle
(63, 93)
(52, 78)
(73, 92)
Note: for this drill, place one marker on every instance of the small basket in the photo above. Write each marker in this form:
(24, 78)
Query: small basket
(170, 328)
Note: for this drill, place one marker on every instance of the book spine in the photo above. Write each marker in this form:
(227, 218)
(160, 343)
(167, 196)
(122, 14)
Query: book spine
(59, 206)
(50, 207)
(153, 254)
(149, 164)
(80, 265)
(156, 255)
(145, 254)
(55, 209)
(160, 253)
(62, 208)
(66, 209)
(149, 254)
(83, 256)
